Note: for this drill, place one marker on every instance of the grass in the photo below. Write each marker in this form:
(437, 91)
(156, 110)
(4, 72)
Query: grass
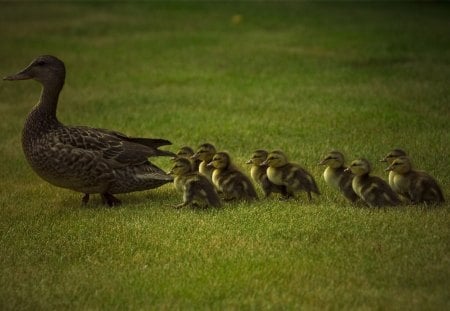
(304, 77)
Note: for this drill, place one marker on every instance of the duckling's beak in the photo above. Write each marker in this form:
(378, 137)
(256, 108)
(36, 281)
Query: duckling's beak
(264, 163)
(194, 156)
(347, 169)
(170, 172)
(249, 162)
(321, 162)
(389, 168)
(383, 160)
(23, 75)
(210, 164)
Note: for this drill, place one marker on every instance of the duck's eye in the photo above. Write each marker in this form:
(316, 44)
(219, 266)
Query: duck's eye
(40, 63)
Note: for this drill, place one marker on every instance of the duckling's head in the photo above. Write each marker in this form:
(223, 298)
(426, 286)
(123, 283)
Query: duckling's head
(45, 69)
(334, 159)
(400, 165)
(181, 166)
(276, 158)
(258, 157)
(360, 167)
(392, 155)
(185, 152)
(221, 160)
(205, 152)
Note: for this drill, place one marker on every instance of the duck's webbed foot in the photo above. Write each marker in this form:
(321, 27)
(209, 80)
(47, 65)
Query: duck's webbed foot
(85, 199)
(110, 200)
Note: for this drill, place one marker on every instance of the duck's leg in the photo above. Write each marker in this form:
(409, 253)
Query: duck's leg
(109, 199)
(85, 199)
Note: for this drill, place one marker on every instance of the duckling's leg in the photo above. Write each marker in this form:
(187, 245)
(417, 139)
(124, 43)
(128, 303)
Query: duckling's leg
(85, 199)
(109, 199)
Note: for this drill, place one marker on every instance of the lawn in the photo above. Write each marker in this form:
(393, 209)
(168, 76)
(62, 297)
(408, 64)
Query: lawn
(306, 78)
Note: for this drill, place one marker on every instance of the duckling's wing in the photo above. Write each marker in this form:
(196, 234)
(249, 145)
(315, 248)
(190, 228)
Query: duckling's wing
(115, 147)
(306, 179)
(383, 193)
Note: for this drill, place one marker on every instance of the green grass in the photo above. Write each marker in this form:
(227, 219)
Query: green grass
(303, 77)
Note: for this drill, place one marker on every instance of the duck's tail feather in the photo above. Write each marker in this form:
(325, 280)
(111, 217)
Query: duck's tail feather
(150, 142)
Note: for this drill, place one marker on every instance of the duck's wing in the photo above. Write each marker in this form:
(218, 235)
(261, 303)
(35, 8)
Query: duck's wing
(114, 147)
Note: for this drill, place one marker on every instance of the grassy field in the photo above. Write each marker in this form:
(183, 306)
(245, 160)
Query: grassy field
(303, 77)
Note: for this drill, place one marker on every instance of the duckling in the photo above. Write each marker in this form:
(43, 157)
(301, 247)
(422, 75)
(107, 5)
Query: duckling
(389, 158)
(371, 189)
(258, 172)
(229, 180)
(294, 177)
(196, 188)
(205, 153)
(336, 176)
(84, 159)
(187, 153)
(417, 186)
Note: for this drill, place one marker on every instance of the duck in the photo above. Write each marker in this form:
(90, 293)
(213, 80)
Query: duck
(389, 158)
(205, 154)
(229, 180)
(294, 177)
(416, 186)
(373, 190)
(196, 188)
(258, 172)
(187, 153)
(336, 176)
(80, 158)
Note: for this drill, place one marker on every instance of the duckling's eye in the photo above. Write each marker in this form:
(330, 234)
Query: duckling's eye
(40, 63)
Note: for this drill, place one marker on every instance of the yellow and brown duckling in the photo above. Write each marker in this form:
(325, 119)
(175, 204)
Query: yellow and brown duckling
(371, 189)
(294, 177)
(417, 186)
(205, 154)
(336, 175)
(389, 158)
(229, 180)
(197, 189)
(187, 153)
(258, 172)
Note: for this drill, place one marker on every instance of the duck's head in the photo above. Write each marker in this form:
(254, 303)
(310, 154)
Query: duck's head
(400, 165)
(44, 69)
(205, 152)
(258, 157)
(392, 155)
(334, 159)
(276, 158)
(221, 160)
(359, 167)
(181, 166)
(185, 152)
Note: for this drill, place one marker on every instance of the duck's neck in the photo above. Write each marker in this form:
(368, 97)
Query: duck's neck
(43, 115)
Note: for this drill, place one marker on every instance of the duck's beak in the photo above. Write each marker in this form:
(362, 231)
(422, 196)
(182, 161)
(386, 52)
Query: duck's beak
(347, 169)
(23, 75)
(249, 162)
(389, 168)
(321, 162)
(194, 156)
(264, 163)
(383, 160)
(210, 164)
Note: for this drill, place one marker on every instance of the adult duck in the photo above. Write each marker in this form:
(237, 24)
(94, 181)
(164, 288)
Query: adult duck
(84, 159)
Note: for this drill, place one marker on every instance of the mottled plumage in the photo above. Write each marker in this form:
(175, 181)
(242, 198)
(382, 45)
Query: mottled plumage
(371, 189)
(205, 154)
(80, 158)
(258, 172)
(336, 175)
(229, 180)
(196, 188)
(416, 186)
(294, 177)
